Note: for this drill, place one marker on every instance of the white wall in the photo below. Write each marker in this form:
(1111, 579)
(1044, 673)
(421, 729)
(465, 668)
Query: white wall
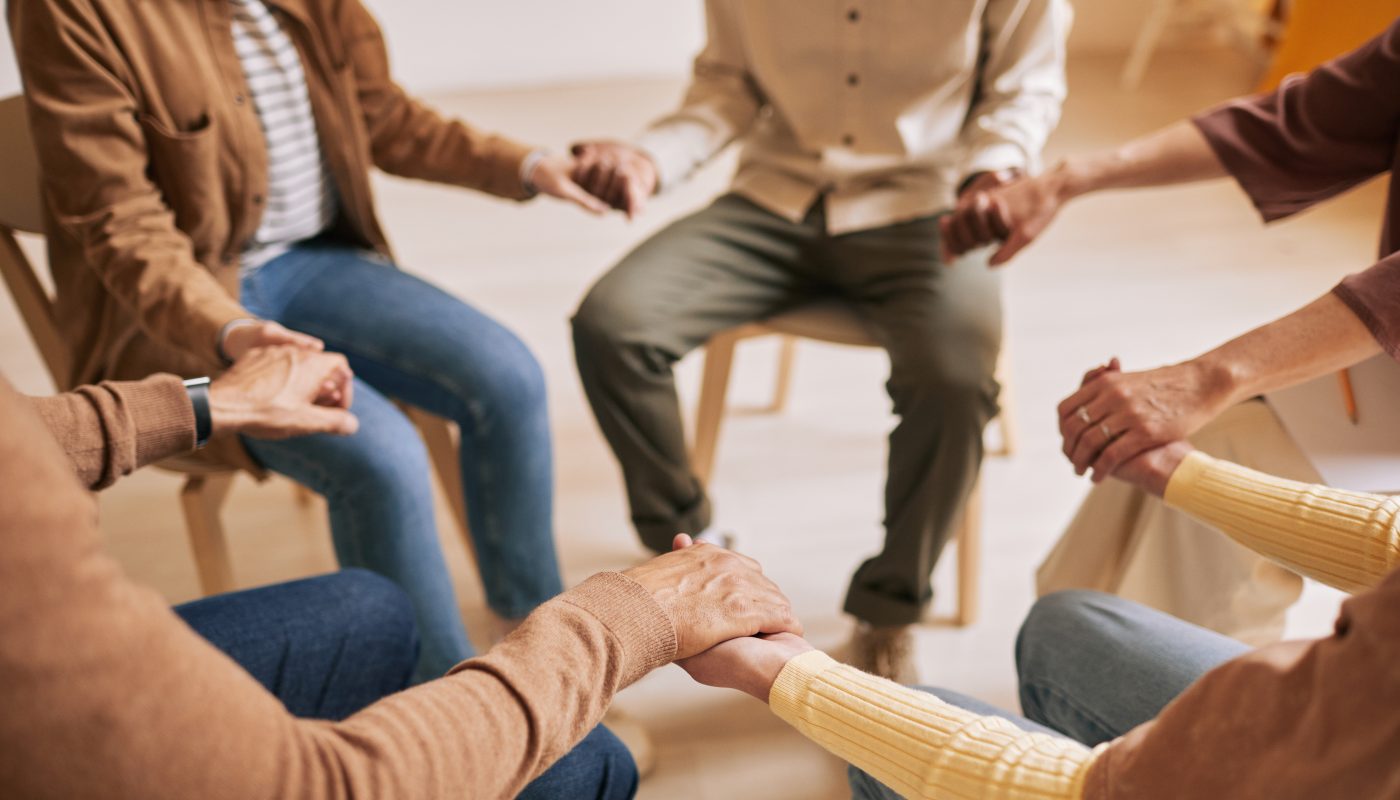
(502, 43)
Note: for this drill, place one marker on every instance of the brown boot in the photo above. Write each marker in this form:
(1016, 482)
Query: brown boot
(886, 651)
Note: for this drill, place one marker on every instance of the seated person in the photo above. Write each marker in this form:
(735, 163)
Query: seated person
(206, 178)
(1315, 137)
(1169, 709)
(859, 128)
(107, 693)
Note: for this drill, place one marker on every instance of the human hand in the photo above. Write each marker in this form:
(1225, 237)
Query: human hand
(618, 173)
(553, 175)
(713, 595)
(1116, 416)
(243, 335)
(1013, 212)
(1153, 470)
(750, 663)
(285, 391)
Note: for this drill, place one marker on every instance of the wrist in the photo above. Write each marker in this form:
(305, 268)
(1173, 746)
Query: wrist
(527, 170)
(198, 391)
(1069, 179)
(1223, 382)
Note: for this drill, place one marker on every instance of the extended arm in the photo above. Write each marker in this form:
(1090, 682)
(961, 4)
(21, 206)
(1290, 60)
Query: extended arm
(1348, 540)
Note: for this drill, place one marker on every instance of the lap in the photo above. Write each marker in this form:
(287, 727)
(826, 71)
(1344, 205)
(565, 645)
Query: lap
(388, 321)
(1095, 666)
(325, 646)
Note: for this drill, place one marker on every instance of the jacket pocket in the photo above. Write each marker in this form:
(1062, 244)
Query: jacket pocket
(184, 166)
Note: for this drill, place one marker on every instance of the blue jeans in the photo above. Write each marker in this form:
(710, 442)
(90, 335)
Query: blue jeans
(329, 646)
(1092, 667)
(409, 341)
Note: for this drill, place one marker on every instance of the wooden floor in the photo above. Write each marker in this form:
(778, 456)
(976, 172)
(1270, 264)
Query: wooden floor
(1151, 277)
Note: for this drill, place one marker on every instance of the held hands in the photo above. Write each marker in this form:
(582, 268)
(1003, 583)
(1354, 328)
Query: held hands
(245, 334)
(1010, 212)
(713, 595)
(618, 173)
(555, 174)
(1118, 417)
(284, 391)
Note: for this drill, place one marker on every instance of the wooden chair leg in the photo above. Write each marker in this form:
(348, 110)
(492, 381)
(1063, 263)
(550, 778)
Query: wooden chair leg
(202, 499)
(1006, 420)
(969, 560)
(714, 386)
(782, 382)
(441, 441)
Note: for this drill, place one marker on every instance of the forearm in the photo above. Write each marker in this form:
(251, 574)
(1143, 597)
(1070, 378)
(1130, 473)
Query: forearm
(1173, 155)
(1322, 337)
(110, 430)
(917, 744)
(1348, 540)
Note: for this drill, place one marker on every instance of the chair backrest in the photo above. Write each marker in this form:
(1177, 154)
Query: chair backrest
(21, 210)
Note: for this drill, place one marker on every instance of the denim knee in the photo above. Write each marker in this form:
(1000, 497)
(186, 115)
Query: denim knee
(1043, 631)
(379, 613)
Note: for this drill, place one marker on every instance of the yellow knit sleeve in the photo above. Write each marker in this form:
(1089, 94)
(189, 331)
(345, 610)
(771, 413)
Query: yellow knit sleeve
(918, 745)
(1349, 540)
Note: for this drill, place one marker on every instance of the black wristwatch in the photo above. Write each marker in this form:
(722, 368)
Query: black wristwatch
(198, 389)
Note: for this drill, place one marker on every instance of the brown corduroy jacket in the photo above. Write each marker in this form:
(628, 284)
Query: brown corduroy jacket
(155, 169)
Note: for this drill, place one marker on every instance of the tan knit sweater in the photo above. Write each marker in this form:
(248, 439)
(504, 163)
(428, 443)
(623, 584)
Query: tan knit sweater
(104, 693)
(1295, 720)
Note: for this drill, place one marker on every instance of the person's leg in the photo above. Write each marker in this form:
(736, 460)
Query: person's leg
(864, 787)
(730, 263)
(941, 325)
(381, 511)
(598, 768)
(420, 345)
(1094, 666)
(325, 646)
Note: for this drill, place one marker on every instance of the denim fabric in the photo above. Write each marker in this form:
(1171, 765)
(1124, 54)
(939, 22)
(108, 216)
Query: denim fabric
(332, 645)
(411, 342)
(1093, 667)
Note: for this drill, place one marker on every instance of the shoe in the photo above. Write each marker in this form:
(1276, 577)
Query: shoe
(634, 737)
(883, 650)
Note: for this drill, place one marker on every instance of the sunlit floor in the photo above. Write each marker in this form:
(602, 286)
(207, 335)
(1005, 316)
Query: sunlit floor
(1150, 277)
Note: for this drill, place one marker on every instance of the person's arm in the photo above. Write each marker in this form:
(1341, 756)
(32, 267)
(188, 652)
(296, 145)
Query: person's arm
(1021, 85)
(114, 428)
(1119, 415)
(1347, 540)
(907, 739)
(720, 105)
(409, 139)
(92, 146)
(1316, 136)
(96, 665)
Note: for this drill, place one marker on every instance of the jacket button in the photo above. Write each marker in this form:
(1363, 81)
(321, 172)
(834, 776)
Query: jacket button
(848, 140)
(257, 199)
(238, 99)
(853, 15)
(853, 79)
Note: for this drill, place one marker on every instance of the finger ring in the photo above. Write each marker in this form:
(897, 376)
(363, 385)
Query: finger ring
(1107, 434)
(1083, 414)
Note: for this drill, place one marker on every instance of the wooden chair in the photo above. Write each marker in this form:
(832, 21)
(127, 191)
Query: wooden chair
(206, 486)
(837, 323)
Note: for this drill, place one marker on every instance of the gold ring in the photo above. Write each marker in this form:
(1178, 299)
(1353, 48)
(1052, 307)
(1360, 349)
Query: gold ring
(1107, 434)
(1083, 414)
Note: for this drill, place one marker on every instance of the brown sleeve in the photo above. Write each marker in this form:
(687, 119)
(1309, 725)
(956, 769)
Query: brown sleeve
(1374, 296)
(1299, 719)
(408, 138)
(94, 161)
(112, 429)
(1316, 136)
(107, 694)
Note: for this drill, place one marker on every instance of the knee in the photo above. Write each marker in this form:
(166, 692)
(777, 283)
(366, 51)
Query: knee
(1055, 621)
(513, 385)
(606, 321)
(388, 459)
(955, 386)
(378, 616)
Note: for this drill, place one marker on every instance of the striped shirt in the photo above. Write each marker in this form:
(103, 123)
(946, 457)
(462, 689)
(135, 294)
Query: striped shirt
(301, 198)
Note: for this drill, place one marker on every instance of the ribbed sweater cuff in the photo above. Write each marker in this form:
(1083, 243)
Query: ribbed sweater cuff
(163, 417)
(785, 698)
(631, 614)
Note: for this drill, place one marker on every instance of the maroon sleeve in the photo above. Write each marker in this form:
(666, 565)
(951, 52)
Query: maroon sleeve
(1318, 135)
(1374, 295)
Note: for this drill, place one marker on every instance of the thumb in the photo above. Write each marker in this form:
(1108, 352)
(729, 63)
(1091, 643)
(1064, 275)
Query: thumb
(1007, 251)
(568, 190)
(280, 334)
(682, 541)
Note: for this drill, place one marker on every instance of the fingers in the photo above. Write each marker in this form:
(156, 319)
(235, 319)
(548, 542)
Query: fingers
(1093, 440)
(274, 333)
(634, 197)
(682, 541)
(1124, 449)
(321, 419)
(568, 190)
